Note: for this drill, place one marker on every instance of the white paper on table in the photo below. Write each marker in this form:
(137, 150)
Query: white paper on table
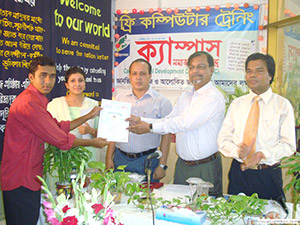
(90, 122)
(171, 191)
(112, 124)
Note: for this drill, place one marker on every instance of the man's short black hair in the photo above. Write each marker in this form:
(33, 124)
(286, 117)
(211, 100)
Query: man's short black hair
(141, 60)
(40, 61)
(73, 70)
(267, 59)
(209, 58)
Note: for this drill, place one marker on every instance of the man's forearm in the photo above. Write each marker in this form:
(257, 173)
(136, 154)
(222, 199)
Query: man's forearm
(92, 114)
(160, 172)
(82, 142)
(95, 142)
(164, 147)
(110, 151)
(77, 122)
(109, 162)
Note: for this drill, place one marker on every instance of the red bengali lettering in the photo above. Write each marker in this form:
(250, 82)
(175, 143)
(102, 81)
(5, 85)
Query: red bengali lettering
(149, 48)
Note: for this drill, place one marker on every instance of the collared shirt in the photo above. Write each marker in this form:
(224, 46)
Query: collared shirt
(151, 105)
(276, 127)
(28, 126)
(196, 119)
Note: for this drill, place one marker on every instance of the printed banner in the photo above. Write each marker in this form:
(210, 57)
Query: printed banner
(167, 40)
(74, 33)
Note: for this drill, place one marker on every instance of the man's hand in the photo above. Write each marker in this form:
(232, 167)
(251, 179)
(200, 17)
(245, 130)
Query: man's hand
(244, 150)
(99, 142)
(140, 128)
(159, 173)
(94, 112)
(133, 120)
(109, 164)
(253, 161)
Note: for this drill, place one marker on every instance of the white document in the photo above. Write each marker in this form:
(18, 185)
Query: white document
(112, 124)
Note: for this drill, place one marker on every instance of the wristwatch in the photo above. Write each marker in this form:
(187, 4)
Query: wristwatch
(151, 128)
(165, 167)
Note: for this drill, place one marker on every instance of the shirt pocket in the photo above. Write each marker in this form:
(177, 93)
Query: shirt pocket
(270, 127)
(152, 113)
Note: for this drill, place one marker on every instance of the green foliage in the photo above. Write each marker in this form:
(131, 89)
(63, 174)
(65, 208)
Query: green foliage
(293, 165)
(288, 86)
(292, 90)
(114, 181)
(132, 188)
(140, 200)
(63, 162)
(235, 208)
(77, 186)
(219, 211)
(238, 91)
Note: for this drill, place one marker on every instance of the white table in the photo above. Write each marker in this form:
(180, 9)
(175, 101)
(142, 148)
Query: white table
(130, 215)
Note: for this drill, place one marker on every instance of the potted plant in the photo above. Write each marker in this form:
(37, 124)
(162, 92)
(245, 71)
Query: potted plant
(116, 182)
(59, 165)
(237, 207)
(293, 165)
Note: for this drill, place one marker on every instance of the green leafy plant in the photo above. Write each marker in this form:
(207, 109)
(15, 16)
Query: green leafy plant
(287, 86)
(235, 208)
(293, 165)
(115, 181)
(229, 97)
(139, 198)
(59, 163)
(219, 211)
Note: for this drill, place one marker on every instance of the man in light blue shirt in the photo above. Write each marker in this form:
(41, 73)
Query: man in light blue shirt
(148, 103)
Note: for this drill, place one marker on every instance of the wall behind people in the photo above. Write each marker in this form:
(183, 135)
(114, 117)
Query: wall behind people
(73, 33)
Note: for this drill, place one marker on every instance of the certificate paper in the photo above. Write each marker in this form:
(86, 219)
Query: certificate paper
(112, 124)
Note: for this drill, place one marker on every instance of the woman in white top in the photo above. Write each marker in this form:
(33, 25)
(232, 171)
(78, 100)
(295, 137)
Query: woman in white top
(74, 105)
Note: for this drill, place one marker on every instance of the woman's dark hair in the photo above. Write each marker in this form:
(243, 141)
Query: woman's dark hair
(73, 70)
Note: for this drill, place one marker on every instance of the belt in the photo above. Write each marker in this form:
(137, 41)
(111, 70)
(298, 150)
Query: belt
(201, 161)
(264, 166)
(138, 155)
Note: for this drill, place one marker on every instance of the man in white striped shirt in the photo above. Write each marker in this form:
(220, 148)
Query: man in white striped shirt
(148, 103)
(196, 119)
